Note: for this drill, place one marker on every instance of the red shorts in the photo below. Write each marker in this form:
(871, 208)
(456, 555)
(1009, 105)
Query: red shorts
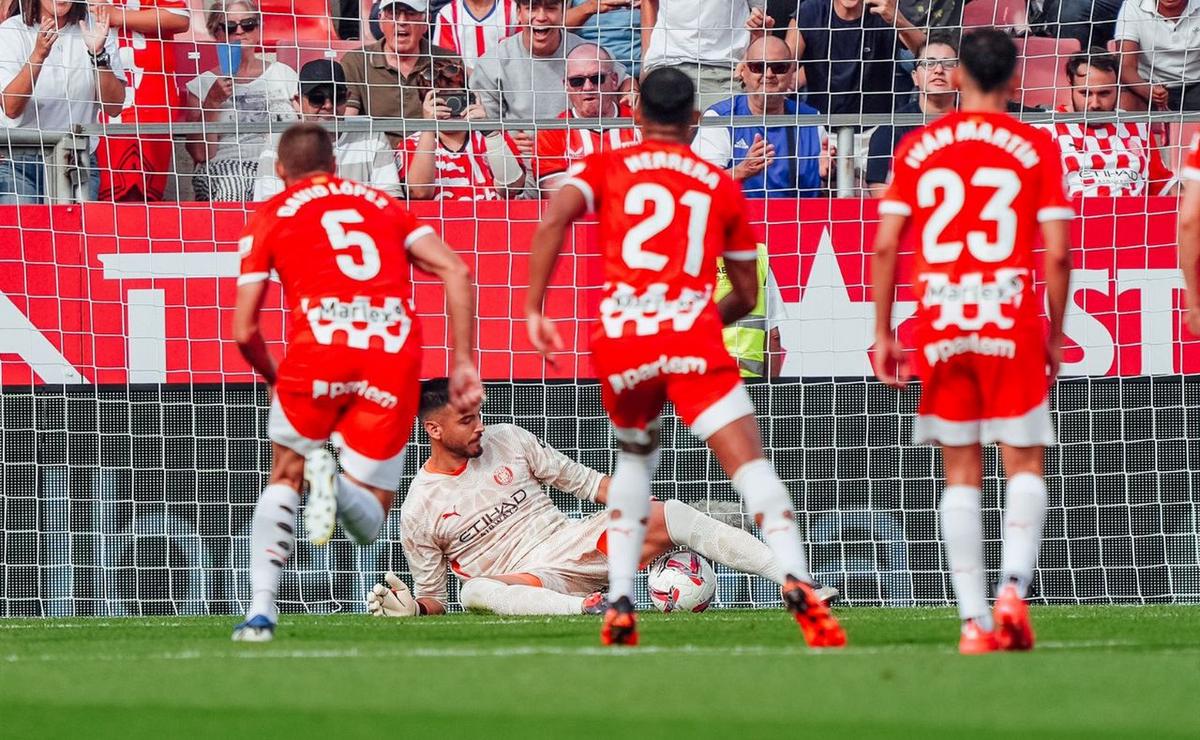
(692, 369)
(983, 387)
(365, 400)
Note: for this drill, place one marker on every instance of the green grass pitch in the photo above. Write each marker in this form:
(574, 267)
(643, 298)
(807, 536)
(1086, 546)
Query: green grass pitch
(1098, 672)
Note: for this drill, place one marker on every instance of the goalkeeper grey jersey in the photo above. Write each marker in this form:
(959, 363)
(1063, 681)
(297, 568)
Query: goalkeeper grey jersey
(486, 518)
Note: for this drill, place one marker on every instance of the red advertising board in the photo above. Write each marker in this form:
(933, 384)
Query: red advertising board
(130, 293)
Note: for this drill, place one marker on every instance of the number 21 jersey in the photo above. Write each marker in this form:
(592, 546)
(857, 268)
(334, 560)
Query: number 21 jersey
(976, 186)
(665, 216)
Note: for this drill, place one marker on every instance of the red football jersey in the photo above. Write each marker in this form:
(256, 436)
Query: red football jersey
(1191, 165)
(976, 186)
(341, 251)
(556, 149)
(665, 217)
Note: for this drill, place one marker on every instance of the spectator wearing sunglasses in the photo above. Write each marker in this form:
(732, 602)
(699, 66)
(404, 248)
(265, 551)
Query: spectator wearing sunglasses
(388, 78)
(243, 88)
(522, 76)
(769, 161)
(592, 92)
(361, 156)
(937, 94)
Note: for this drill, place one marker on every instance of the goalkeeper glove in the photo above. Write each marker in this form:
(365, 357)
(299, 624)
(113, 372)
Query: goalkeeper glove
(391, 600)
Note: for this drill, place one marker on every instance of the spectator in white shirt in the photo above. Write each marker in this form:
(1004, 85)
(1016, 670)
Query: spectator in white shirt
(704, 39)
(1159, 41)
(361, 156)
(58, 69)
(256, 91)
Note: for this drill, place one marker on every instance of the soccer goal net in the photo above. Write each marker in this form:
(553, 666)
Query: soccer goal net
(133, 435)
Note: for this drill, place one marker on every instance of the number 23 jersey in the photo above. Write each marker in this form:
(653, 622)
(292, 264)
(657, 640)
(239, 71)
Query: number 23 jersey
(976, 187)
(665, 216)
(341, 251)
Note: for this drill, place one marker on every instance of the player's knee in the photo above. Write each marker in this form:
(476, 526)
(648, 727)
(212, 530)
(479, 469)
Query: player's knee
(477, 593)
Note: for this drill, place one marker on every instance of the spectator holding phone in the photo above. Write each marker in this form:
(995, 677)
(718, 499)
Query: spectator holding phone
(451, 165)
(362, 156)
(58, 69)
(243, 88)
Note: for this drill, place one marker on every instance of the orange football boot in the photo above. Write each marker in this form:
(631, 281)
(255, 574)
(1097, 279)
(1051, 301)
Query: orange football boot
(1014, 630)
(975, 640)
(620, 624)
(817, 623)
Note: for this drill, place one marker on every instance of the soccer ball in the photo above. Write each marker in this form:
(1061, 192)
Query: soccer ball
(681, 581)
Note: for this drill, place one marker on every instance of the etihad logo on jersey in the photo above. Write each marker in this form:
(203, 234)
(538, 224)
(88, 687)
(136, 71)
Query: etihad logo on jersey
(494, 518)
(650, 309)
(361, 388)
(390, 323)
(675, 161)
(664, 365)
(319, 190)
(937, 137)
(985, 300)
(942, 350)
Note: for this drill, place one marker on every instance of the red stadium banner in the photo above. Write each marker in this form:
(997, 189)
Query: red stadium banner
(144, 294)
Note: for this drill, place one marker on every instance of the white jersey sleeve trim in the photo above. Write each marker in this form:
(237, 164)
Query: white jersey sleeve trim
(584, 188)
(894, 208)
(252, 277)
(1191, 173)
(416, 234)
(1055, 213)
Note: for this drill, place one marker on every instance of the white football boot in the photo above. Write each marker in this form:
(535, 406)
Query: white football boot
(320, 507)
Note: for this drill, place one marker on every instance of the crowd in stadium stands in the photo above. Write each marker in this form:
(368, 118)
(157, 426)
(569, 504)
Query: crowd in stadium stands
(62, 66)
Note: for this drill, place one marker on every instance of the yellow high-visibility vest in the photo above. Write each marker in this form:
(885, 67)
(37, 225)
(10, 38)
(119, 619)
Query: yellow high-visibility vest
(747, 339)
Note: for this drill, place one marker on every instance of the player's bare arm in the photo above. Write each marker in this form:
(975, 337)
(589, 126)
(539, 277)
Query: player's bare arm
(1057, 238)
(1189, 250)
(888, 358)
(567, 205)
(432, 255)
(246, 332)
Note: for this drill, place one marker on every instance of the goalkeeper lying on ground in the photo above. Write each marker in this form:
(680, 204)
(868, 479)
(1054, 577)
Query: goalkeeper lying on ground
(478, 506)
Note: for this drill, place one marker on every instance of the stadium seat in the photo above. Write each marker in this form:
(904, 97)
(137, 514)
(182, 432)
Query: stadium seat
(1042, 69)
(297, 19)
(997, 13)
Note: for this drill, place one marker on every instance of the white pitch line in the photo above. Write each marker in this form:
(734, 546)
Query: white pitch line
(268, 653)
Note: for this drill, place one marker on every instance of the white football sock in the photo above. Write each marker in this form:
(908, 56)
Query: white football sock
(506, 599)
(962, 533)
(1024, 517)
(629, 508)
(766, 496)
(719, 542)
(272, 539)
(359, 512)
